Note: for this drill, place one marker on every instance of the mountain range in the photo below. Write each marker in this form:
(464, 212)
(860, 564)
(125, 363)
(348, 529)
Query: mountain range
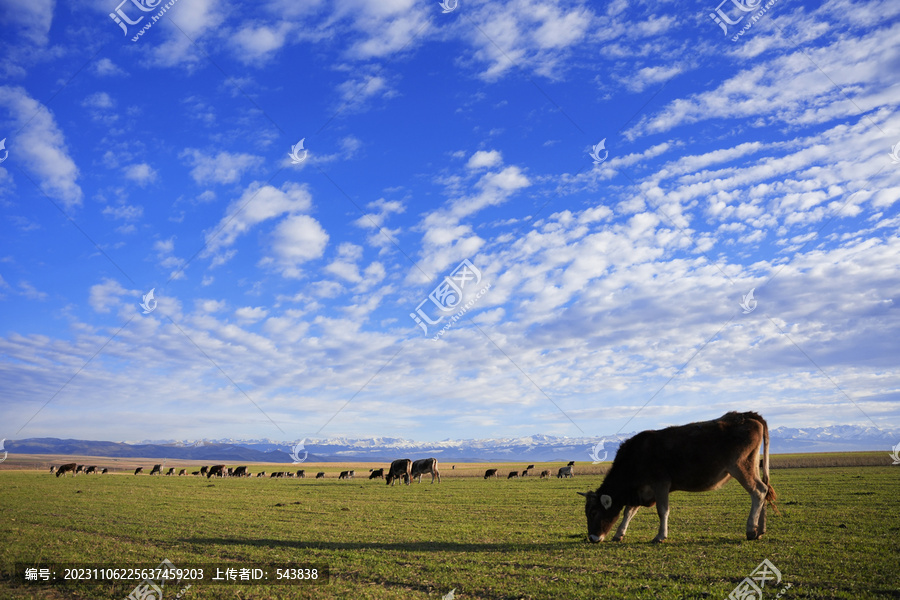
(534, 448)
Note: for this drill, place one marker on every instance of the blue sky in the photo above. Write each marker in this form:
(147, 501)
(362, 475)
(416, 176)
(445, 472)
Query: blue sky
(605, 297)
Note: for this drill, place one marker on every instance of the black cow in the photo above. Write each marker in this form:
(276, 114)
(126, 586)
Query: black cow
(171, 471)
(400, 469)
(182, 472)
(204, 471)
(52, 469)
(344, 475)
(320, 475)
(241, 472)
(513, 474)
(67, 468)
(301, 473)
(424, 466)
(376, 474)
(79, 469)
(565, 472)
(697, 457)
(491, 473)
(104, 471)
(217, 470)
(156, 469)
(91, 469)
(139, 470)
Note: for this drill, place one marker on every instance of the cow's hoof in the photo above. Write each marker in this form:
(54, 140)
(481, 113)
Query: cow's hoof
(752, 535)
(618, 538)
(658, 540)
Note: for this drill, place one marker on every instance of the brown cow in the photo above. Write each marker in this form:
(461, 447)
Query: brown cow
(697, 457)
(424, 466)
(400, 469)
(376, 474)
(217, 470)
(491, 473)
(63, 469)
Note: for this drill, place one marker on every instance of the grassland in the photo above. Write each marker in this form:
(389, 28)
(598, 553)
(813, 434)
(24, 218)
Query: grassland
(837, 536)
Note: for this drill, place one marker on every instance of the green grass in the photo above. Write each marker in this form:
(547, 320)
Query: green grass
(837, 536)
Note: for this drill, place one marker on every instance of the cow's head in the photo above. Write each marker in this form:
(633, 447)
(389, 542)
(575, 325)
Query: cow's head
(602, 512)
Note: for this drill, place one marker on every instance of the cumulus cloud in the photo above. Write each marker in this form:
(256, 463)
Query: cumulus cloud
(223, 167)
(42, 146)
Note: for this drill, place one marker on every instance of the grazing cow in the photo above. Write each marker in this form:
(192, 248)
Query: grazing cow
(344, 475)
(400, 469)
(301, 473)
(545, 473)
(79, 469)
(139, 470)
(195, 473)
(63, 469)
(529, 467)
(52, 469)
(273, 475)
(352, 474)
(182, 472)
(261, 474)
(91, 469)
(320, 475)
(241, 472)
(697, 457)
(217, 470)
(565, 472)
(424, 466)
(156, 469)
(104, 471)
(491, 473)
(376, 474)
(230, 472)
(289, 474)
(204, 471)
(513, 474)
(171, 471)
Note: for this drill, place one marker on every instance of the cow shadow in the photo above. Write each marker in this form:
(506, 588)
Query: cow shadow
(427, 546)
(423, 546)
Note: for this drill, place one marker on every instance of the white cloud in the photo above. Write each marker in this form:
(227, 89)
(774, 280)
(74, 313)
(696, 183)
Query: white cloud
(98, 100)
(42, 147)
(258, 42)
(296, 240)
(34, 19)
(484, 159)
(224, 167)
(140, 173)
(106, 295)
(107, 68)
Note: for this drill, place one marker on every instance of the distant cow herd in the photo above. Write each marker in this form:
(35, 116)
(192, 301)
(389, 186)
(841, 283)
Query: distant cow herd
(402, 470)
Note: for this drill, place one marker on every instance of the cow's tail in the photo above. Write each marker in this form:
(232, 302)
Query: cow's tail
(771, 496)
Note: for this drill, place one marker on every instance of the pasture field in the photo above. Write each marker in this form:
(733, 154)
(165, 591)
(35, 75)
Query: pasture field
(838, 535)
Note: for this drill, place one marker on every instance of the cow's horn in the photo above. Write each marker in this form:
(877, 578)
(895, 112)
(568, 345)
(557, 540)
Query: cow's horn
(606, 501)
(583, 494)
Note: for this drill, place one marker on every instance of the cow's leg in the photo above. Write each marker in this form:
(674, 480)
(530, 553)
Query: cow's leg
(662, 509)
(750, 481)
(630, 511)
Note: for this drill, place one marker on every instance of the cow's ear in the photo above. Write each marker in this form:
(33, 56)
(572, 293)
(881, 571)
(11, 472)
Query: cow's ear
(606, 501)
